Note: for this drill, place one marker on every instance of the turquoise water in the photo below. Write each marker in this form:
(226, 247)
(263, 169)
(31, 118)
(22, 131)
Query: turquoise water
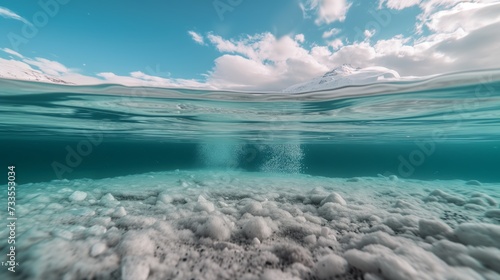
(443, 128)
(385, 181)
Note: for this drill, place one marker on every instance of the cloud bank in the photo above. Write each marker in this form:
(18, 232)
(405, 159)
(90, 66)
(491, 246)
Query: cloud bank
(451, 36)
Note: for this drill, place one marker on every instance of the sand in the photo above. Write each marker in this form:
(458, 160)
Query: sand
(238, 225)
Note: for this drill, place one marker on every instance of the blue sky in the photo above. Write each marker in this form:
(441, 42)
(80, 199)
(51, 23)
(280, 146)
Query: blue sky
(270, 44)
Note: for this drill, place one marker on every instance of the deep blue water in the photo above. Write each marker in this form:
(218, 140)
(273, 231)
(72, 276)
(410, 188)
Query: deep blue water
(447, 127)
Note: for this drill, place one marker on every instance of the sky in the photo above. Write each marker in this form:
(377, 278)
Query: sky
(243, 44)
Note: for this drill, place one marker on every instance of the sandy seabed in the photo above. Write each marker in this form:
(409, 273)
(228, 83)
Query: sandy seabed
(238, 225)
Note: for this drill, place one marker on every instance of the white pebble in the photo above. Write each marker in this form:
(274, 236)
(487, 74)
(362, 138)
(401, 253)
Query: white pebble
(310, 239)
(204, 205)
(253, 207)
(63, 234)
(216, 228)
(108, 199)
(300, 219)
(223, 204)
(335, 198)
(330, 266)
(136, 243)
(256, 241)
(257, 227)
(433, 228)
(165, 198)
(97, 249)
(119, 212)
(325, 232)
(478, 234)
(96, 230)
(134, 268)
(78, 196)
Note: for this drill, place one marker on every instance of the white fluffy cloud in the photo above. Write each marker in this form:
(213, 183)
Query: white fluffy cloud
(463, 35)
(300, 38)
(434, 54)
(336, 44)
(139, 78)
(369, 33)
(453, 45)
(465, 15)
(197, 37)
(449, 15)
(45, 70)
(262, 61)
(326, 11)
(331, 32)
(12, 52)
(398, 4)
(6, 13)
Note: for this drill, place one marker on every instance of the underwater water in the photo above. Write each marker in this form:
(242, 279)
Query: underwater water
(385, 181)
